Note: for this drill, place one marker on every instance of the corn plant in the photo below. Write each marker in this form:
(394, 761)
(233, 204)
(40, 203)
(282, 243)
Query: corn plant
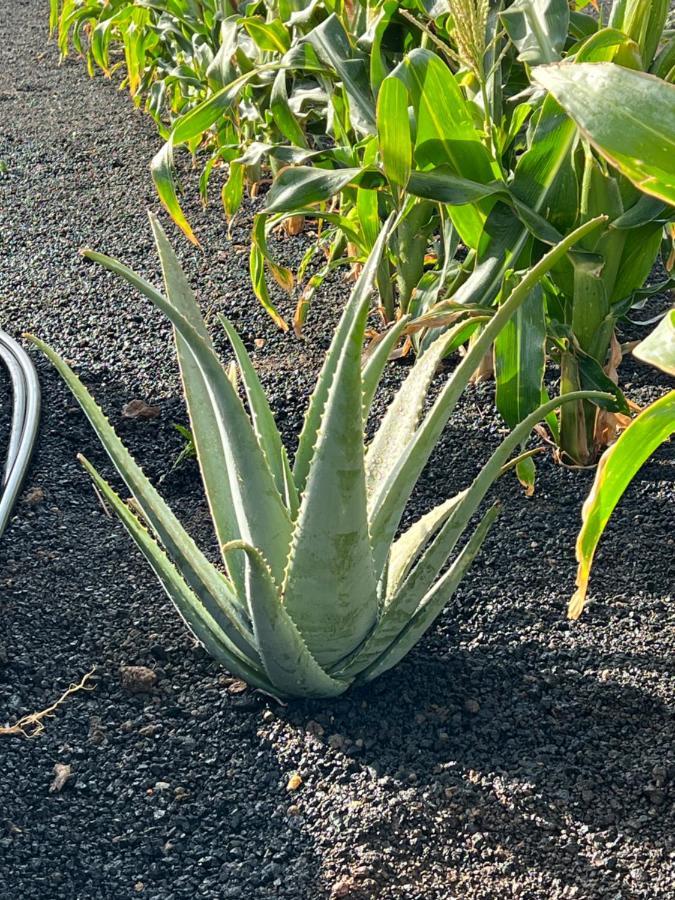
(563, 177)
(620, 463)
(318, 591)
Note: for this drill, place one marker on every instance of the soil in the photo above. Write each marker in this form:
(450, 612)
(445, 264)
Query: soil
(513, 754)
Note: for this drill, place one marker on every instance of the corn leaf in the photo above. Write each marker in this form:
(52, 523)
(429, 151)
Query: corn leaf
(628, 116)
(520, 358)
(393, 131)
(616, 469)
(658, 349)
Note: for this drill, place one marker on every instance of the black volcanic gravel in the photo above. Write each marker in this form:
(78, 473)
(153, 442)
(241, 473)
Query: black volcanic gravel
(512, 755)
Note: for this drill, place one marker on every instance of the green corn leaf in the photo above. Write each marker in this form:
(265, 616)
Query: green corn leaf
(658, 349)
(162, 169)
(288, 663)
(196, 614)
(628, 116)
(211, 587)
(616, 469)
(545, 183)
(520, 358)
(317, 404)
(303, 185)
(434, 603)
(330, 589)
(643, 21)
(270, 36)
(262, 519)
(259, 257)
(263, 420)
(333, 48)
(393, 131)
(538, 28)
(592, 377)
(283, 116)
(233, 190)
(446, 134)
(440, 184)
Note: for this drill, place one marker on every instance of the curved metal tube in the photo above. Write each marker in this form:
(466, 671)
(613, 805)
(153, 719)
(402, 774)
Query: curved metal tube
(25, 421)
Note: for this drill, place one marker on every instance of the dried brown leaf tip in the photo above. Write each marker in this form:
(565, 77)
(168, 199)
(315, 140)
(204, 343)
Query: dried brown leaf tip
(139, 409)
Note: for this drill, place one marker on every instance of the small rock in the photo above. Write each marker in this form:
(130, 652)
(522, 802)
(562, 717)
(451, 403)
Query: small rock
(472, 706)
(345, 887)
(96, 731)
(147, 730)
(137, 679)
(237, 687)
(62, 773)
(294, 782)
(34, 496)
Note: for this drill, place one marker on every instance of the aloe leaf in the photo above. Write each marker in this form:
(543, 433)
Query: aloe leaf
(209, 585)
(658, 348)
(330, 589)
(197, 616)
(389, 502)
(373, 369)
(616, 469)
(209, 447)
(287, 661)
(263, 420)
(402, 415)
(262, 519)
(407, 548)
(317, 404)
(433, 603)
(628, 116)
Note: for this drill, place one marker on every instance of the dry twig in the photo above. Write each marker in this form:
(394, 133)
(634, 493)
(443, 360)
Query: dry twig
(32, 725)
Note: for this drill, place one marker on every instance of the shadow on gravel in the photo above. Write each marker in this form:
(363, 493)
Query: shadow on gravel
(518, 758)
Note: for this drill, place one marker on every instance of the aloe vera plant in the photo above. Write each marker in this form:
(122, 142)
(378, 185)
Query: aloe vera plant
(319, 591)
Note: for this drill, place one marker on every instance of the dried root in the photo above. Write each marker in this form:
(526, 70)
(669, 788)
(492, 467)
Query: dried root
(32, 725)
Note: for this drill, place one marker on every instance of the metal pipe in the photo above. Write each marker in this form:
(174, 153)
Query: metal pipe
(25, 422)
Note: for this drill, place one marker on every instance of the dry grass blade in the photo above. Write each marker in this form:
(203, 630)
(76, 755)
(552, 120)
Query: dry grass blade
(32, 725)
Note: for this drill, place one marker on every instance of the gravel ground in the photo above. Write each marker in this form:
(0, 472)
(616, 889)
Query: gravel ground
(513, 754)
